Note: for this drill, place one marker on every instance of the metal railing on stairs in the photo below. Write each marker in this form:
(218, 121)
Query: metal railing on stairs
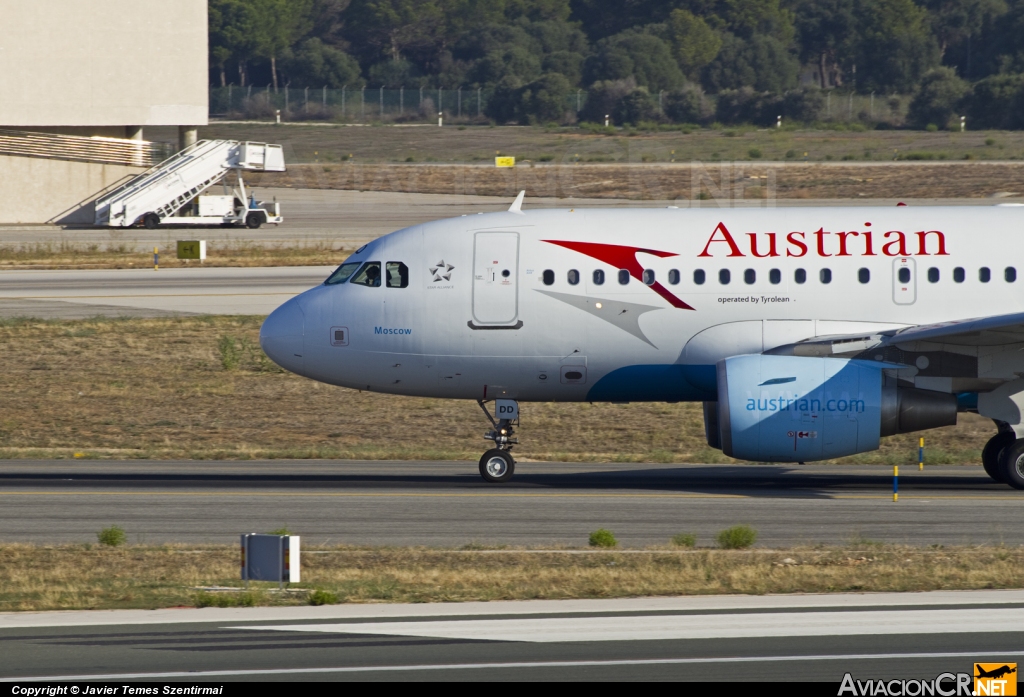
(112, 151)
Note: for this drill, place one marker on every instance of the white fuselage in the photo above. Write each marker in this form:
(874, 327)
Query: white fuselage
(462, 329)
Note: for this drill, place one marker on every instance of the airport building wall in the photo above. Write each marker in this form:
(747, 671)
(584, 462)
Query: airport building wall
(37, 190)
(104, 63)
(95, 68)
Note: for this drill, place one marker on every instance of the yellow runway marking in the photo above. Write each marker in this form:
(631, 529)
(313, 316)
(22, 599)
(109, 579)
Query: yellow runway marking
(127, 296)
(364, 494)
(994, 497)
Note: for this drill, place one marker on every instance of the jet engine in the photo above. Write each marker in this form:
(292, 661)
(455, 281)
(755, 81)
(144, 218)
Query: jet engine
(799, 409)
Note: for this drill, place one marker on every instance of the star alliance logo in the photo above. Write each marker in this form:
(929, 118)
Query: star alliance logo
(442, 271)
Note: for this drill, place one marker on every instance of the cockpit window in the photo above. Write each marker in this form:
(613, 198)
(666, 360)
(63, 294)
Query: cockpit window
(342, 273)
(369, 275)
(398, 274)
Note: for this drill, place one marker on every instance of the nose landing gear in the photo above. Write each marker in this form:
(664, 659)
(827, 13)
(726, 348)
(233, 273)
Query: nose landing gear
(497, 464)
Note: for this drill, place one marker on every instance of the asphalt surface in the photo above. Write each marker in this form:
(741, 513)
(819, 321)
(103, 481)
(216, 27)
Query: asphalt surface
(447, 504)
(350, 218)
(718, 638)
(149, 293)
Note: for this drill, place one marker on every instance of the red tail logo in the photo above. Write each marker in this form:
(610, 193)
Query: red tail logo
(623, 257)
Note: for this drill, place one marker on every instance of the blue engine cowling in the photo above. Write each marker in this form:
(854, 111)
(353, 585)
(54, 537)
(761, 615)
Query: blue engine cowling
(799, 409)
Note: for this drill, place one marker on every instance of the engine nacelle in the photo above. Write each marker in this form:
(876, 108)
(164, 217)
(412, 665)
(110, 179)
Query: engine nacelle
(799, 409)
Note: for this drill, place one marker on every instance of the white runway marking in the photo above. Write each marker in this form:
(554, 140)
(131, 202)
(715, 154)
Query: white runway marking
(198, 674)
(661, 627)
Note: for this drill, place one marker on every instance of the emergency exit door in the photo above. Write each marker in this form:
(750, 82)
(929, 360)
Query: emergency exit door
(495, 277)
(904, 281)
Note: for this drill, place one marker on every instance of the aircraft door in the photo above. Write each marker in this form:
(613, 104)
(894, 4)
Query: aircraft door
(495, 278)
(904, 281)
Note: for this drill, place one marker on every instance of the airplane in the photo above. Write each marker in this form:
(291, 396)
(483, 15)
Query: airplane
(995, 673)
(807, 333)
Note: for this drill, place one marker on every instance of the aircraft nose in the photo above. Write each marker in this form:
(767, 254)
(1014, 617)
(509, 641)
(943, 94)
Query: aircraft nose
(281, 336)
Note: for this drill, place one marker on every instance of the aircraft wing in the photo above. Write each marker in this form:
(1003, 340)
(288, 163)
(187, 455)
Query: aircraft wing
(973, 355)
(979, 331)
(976, 332)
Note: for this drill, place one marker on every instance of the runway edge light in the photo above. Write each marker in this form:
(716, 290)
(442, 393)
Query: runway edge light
(270, 558)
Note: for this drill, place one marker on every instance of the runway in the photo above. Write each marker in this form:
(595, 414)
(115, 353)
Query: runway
(351, 218)
(149, 293)
(714, 638)
(446, 504)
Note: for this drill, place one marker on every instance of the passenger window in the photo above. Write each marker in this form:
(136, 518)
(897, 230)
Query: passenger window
(398, 274)
(574, 277)
(648, 277)
(825, 275)
(800, 276)
(1010, 274)
(933, 275)
(673, 277)
(864, 275)
(724, 277)
(623, 277)
(959, 275)
(699, 277)
(369, 275)
(775, 277)
(342, 273)
(598, 277)
(984, 274)
(904, 275)
(749, 276)
(548, 277)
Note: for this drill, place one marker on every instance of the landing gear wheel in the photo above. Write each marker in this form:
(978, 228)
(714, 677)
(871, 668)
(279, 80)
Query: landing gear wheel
(254, 220)
(151, 221)
(1012, 464)
(990, 454)
(497, 466)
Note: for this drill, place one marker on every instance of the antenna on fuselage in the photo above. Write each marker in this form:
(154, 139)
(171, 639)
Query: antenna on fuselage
(517, 205)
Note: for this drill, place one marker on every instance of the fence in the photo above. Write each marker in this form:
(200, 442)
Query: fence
(355, 103)
(367, 104)
(111, 151)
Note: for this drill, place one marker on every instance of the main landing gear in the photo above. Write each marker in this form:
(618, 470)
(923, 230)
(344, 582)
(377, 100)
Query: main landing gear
(497, 464)
(1003, 458)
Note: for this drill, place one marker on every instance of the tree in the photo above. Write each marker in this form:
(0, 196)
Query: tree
(694, 43)
(762, 63)
(395, 28)
(538, 10)
(603, 18)
(603, 98)
(996, 102)
(511, 61)
(503, 105)
(636, 106)
(281, 24)
(826, 31)
(235, 33)
(748, 18)
(392, 73)
(220, 48)
(314, 63)
(953, 21)
(894, 47)
(639, 55)
(938, 99)
(544, 100)
(688, 105)
(565, 63)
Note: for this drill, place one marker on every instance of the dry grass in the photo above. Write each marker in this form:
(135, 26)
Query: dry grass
(91, 577)
(332, 144)
(710, 182)
(65, 254)
(159, 388)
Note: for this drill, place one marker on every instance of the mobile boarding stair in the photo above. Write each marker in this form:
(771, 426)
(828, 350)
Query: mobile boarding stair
(171, 192)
